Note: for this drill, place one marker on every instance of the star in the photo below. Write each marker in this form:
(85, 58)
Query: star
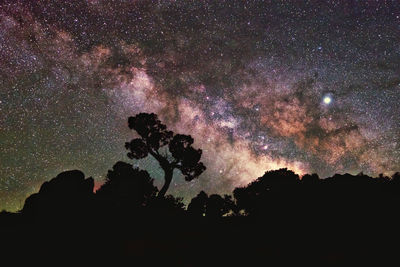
(327, 100)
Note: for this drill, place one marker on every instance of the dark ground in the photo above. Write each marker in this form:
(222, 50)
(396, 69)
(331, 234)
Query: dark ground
(229, 241)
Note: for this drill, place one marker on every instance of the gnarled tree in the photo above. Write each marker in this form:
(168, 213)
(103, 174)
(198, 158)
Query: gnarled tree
(154, 136)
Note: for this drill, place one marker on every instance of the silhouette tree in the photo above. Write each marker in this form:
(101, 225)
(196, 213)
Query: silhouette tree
(154, 136)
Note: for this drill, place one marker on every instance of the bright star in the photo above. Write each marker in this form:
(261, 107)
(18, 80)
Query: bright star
(327, 100)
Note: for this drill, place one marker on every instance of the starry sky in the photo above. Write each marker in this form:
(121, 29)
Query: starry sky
(313, 86)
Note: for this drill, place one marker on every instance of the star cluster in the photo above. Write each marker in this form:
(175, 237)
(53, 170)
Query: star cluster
(309, 85)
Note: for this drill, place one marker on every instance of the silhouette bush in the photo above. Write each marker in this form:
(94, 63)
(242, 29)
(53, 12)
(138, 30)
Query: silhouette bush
(67, 194)
(267, 192)
(217, 206)
(346, 198)
(126, 188)
(213, 206)
(198, 204)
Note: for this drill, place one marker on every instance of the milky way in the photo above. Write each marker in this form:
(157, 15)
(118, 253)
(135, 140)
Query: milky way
(313, 86)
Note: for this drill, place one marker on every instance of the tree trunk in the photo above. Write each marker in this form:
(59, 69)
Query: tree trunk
(168, 178)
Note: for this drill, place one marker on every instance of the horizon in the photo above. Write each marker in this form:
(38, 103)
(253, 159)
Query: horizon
(186, 200)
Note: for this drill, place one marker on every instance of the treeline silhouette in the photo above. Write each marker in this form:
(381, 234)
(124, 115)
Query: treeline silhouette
(278, 218)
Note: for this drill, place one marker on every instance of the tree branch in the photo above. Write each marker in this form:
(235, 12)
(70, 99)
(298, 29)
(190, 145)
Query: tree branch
(175, 164)
(156, 155)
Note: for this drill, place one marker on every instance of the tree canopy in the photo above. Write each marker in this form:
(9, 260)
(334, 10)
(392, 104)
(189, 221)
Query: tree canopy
(154, 136)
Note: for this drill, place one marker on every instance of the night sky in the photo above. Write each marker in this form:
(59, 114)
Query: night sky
(313, 86)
